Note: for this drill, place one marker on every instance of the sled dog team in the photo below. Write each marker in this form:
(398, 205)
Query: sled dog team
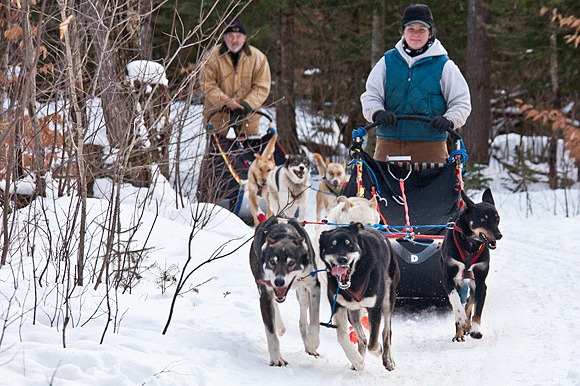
(355, 265)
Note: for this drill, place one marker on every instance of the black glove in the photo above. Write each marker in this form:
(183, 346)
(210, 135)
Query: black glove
(441, 124)
(247, 108)
(385, 118)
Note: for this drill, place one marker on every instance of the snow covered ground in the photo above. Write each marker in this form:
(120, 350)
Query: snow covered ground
(530, 323)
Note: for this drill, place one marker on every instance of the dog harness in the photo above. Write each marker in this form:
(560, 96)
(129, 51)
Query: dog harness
(468, 259)
(358, 295)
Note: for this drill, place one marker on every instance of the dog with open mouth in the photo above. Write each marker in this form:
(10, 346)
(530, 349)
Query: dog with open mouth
(465, 261)
(362, 273)
(282, 258)
(287, 187)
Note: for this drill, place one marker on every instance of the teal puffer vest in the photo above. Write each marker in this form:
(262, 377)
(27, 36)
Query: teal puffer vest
(413, 91)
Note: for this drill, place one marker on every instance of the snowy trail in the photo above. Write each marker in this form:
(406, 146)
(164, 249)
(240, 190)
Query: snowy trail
(530, 323)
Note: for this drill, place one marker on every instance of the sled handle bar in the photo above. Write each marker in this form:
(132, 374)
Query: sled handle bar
(225, 109)
(456, 136)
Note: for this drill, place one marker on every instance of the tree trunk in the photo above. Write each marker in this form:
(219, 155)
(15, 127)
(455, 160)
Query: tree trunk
(378, 33)
(377, 52)
(286, 108)
(477, 129)
(115, 98)
(146, 31)
(557, 104)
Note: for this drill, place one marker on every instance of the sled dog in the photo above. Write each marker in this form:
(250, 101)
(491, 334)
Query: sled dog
(258, 172)
(282, 258)
(330, 188)
(288, 186)
(347, 210)
(362, 273)
(465, 261)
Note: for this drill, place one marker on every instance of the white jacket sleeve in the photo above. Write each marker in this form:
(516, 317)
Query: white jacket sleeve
(456, 93)
(373, 99)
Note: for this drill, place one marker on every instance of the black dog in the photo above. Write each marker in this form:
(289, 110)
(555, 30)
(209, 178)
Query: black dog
(362, 273)
(465, 253)
(281, 258)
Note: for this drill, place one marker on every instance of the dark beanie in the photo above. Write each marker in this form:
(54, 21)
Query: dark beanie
(235, 26)
(418, 13)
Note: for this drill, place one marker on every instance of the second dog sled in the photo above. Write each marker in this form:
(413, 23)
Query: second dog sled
(416, 202)
(226, 162)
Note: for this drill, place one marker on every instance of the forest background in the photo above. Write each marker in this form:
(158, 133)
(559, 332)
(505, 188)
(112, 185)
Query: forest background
(322, 51)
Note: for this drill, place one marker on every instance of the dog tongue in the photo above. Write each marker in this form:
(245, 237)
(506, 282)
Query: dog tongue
(339, 271)
(280, 293)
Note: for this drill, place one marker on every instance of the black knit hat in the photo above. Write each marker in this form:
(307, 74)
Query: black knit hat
(235, 26)
(418, 13)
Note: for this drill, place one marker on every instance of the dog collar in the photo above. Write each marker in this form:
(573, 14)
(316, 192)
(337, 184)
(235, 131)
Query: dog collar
(468, 259)
(358, 294)
(330, 187)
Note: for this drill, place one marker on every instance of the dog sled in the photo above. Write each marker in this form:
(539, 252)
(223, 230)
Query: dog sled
(416, 202)
(224, 168)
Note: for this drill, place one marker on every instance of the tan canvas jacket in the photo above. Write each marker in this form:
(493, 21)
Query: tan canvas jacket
(250, 81)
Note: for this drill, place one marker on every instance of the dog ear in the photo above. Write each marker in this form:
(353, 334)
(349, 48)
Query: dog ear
(347, 205)
(322, 239)
(466, 199)
(356, 227)
(298, 240)
(373, 202)
(257, 156)
(342, 199)
(488, 197)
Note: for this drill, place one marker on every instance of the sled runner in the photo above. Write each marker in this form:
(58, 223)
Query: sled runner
(416, 202)
(226, 162)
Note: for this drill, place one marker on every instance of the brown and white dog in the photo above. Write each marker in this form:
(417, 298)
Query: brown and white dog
(333, 180)
(258, 173)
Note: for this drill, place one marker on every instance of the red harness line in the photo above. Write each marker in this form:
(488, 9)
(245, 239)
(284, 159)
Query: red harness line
(407, 219)
(463, 253)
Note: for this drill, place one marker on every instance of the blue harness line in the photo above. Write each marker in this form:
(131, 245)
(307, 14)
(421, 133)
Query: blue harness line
(330, 324)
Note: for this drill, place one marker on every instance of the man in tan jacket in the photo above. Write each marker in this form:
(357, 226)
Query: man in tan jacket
(236, 76)
(235, 81)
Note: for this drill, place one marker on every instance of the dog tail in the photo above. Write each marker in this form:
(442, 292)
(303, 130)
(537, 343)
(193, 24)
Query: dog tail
(320, 164)
(270, 147)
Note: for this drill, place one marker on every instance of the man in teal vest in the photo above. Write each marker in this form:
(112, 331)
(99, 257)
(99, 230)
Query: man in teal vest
(416, 78)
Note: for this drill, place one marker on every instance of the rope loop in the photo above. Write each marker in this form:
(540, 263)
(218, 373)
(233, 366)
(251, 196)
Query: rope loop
(360, 132)
(460, 152)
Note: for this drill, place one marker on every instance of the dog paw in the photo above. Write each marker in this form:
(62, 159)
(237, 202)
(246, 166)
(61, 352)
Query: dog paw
(358, 363)
(311, 345)
(278, 362)
(389, 363)
(313, 353)
(476, 335)
(458, 338)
